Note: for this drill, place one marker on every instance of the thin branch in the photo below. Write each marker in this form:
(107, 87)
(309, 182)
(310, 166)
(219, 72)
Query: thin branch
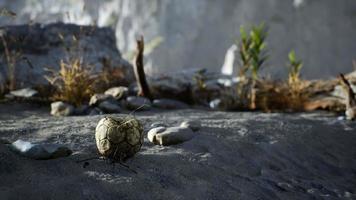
(144, 89)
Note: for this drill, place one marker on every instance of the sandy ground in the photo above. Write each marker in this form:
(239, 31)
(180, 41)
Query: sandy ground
(234, 156)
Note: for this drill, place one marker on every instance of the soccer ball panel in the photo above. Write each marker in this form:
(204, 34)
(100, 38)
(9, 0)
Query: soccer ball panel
(119, 138)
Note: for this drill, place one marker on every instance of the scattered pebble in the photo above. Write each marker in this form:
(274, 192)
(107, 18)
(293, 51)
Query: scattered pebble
(170, 136)
(96, 99)
(24, 93)
(215, 104)
(151, 135)
(96, 111)
(341, 118)
(140, 103)
(40, 151)
(118, 92)
(82, 110)
(195, 125)
(60, 108)
(110, 107)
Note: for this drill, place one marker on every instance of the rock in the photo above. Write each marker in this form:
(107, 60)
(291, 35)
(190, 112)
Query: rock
(195, 125)
(140, 103)
(118, 92)
(96, 99)
(96, 111)
(110, 107)
(215, 104)
(133, 89)
(40, 151)
(82, 110)
(151, 135)
(43, 46)
(350, 113)
(172, 87)
(170, 136)
(9, 97)
(169, 104)
(60, 108)
(24, 93)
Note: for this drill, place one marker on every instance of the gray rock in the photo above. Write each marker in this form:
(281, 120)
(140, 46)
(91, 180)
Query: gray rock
(82, 110)
(170, 136)
(195, 125)
(110, 107)
(96, 111)
(24, 93)
(60, 108)
(215, 104)
(172, 87)
(151, 135)
(9, 96)
(350, 113)
(96, 99)
(169, 104)
(40, 151)
(118, 92)
(140, 103)
(43, 46)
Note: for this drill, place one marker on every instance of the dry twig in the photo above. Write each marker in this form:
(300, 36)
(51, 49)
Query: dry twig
(144, 89)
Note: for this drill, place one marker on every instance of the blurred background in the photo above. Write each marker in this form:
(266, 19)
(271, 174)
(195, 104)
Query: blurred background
(197, 33)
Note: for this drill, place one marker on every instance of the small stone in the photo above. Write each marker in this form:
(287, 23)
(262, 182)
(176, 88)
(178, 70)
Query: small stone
(215, 104)
(169, 104)
(9, 96)
(118, 92)
(24, 93)
(341, 118)
(40, 151)
(151, 135)
(195, 125)
(170, 136)
(96, 99)
(60, 108)
(82, 110)
(110, 107)
(350, 113)
(96, 111)
(140, 103)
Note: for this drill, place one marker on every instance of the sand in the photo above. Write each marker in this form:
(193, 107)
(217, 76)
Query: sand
(234, 156)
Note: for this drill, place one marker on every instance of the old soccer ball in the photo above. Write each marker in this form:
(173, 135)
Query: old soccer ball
(119, 138)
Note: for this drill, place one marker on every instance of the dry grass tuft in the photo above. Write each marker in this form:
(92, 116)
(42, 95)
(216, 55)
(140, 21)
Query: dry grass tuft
(74, 82)
(11, 57)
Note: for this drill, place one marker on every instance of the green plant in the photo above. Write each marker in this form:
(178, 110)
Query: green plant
(73, 83)
(253, 55)
(200, 79)
(294, 68)
(296, 97)
(253, 49)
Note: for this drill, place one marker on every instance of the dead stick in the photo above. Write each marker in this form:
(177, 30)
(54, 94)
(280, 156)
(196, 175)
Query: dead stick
(144, 89)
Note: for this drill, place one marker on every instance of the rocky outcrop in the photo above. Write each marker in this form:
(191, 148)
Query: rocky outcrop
(36, 48)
